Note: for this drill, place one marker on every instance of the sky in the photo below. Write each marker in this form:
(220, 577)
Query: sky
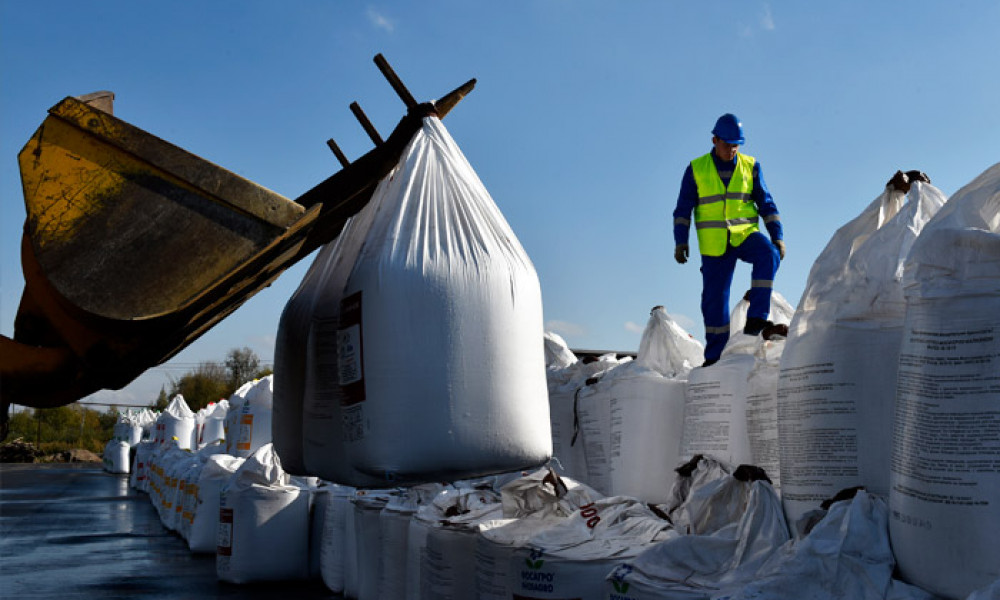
(584, 116)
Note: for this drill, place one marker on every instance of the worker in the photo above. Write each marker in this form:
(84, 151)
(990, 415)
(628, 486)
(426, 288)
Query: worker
(726, 192)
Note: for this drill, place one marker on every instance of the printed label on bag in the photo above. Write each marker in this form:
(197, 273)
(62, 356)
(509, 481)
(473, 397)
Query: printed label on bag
(246, 432)
(354, 423)
(225, 540)
(350, 351)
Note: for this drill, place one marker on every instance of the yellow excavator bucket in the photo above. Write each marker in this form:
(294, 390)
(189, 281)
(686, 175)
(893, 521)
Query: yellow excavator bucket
(127, 226)
(133, 247)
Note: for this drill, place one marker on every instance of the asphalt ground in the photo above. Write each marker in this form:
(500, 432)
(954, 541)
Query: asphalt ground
(73, 531)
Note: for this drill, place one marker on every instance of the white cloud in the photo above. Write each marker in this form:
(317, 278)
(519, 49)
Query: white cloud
(565, 328)
(767, 21)
(633, 327)
(380, 21)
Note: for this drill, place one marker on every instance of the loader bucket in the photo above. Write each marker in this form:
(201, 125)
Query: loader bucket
(127, 226)
(133, 247)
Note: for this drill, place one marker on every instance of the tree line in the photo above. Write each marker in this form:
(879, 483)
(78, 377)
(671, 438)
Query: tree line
(76, 426)
(212, 381)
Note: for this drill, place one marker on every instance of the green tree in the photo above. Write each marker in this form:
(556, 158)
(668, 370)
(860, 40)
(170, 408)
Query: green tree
(162, 400)
(208, 383)
(243, 365)
(63, 428)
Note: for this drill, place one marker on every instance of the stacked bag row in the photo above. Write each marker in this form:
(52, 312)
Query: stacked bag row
(888, 380)
(190, 455)
(624, 426)
(131, 428)
(897, 332)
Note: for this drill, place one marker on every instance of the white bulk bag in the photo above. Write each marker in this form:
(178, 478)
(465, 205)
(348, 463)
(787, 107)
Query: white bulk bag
(442, 543)
(394, 526)
(140, 465)
(495, 545)
(236, 402)
(572, 557)
(165, 463)
(116, 456)
(254, 425)
(715, 399)
(263, 523)
(189, 500)
(213, 427)
(762, 409)
(945, 494)
(557, 353)
(204, 528)
(187, 485)
(564, 388)
(698, 565)
(322, 290)
(530, 504)
(440, 328)
(128, 429)
(544, 493)
(333, 550)
(846, 555)
(290, 360)
(368, 539)
(837, 384)
(175, 490)
(631, 420)
(176, 422)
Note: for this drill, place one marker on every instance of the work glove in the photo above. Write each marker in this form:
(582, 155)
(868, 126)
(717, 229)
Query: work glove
(681, 253)
(780, 245)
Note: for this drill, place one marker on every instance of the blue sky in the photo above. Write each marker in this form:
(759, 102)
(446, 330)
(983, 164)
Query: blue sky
(584, 117)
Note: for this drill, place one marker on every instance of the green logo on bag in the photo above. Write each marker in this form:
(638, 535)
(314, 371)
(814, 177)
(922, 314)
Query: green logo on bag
(534, 560)
(620, 586)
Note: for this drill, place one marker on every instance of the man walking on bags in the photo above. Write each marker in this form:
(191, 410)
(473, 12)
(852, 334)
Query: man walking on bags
(725, 189)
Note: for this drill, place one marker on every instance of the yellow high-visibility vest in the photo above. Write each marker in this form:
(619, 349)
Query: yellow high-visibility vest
(723, 214)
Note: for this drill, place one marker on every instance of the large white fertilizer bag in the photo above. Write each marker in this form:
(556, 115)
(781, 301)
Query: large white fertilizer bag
(441, 543)
(290, 361)
(263, 532)
(564, 390)
(323, 399)
(572, 557)
(837, 383)
(724, 556)
(394, 529)
(632, 418)
(845, 555)
(530, 504)
(232, 423)
(762, 409)
(213, 429)
(254, 421)
(333, 550)
(116, 457)
(945, 496)
(204, 529)
(176, 422)
(716, 417)
(557, 352)
(439, 336)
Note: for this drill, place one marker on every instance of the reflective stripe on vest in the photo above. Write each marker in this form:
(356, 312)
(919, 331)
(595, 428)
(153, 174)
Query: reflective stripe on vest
(723, 214)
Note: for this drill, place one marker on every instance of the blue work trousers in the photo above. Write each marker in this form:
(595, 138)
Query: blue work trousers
(717, 277)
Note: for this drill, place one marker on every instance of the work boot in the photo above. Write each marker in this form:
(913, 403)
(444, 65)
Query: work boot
(775, 331)
(755, 325)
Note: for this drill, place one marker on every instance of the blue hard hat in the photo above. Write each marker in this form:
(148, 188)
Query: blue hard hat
(729, 129)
